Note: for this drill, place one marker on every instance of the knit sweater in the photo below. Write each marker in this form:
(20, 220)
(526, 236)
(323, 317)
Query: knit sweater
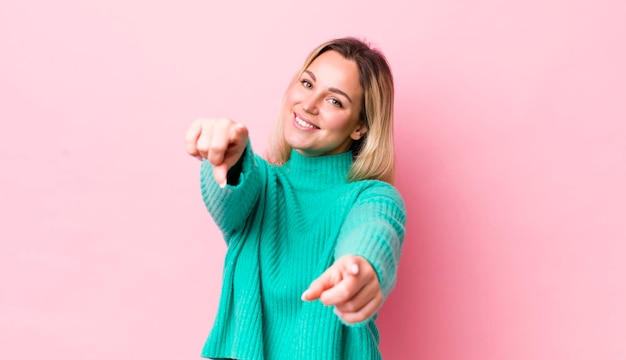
(283, 226)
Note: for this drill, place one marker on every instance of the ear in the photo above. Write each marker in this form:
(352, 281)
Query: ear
(359, 132)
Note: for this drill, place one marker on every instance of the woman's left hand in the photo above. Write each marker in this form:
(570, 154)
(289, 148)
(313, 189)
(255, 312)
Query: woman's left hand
(351, 285)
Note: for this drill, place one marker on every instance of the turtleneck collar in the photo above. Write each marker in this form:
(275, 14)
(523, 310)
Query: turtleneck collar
(319, 170)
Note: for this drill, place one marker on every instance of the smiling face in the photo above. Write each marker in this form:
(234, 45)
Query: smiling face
(322, 107)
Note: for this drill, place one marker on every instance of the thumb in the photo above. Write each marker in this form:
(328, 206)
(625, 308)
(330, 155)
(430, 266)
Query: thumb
(238, 138)
(239, 131)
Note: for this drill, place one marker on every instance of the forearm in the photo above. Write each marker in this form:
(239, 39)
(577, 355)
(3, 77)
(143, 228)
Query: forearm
(230, 206)
(375, 230)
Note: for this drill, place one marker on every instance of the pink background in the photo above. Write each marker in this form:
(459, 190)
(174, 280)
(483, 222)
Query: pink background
(511, 139)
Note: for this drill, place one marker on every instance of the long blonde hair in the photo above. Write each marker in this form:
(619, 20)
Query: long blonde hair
(374, 152)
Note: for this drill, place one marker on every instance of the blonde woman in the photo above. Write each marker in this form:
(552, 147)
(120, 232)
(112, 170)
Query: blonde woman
(314, 232)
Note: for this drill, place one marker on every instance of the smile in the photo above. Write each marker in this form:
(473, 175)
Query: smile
(304, 124)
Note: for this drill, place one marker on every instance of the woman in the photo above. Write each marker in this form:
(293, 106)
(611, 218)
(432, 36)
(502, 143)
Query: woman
(314, 234)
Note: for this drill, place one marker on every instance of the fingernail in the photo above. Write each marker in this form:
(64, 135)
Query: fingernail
(337, 312)
(223, 184)
(354, 269)
(304, 295)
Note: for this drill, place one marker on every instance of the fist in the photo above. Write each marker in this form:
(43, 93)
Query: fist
(220, 141)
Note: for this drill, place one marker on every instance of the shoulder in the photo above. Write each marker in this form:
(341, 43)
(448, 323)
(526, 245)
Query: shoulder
(378, 191)
(377, 188)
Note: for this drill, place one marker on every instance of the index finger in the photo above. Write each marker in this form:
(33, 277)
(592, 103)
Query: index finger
(327, 280)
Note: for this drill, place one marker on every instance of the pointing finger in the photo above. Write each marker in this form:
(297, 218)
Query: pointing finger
(327, 280)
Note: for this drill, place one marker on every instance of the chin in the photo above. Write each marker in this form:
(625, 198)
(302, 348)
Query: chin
(295, 140)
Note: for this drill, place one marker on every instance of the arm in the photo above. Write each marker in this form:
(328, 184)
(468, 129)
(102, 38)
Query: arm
(231, 205)
(367, 256)
(374, 229)
(230, 179)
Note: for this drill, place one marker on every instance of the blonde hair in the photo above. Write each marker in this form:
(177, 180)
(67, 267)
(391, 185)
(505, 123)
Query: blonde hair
(374, 152)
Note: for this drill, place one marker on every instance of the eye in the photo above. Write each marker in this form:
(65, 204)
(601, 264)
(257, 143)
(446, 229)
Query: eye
(306, 83)
(335, 102)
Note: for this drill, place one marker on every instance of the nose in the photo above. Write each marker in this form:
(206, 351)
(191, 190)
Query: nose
(310, 103)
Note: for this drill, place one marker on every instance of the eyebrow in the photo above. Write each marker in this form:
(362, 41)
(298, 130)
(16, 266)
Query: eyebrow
(331, 89)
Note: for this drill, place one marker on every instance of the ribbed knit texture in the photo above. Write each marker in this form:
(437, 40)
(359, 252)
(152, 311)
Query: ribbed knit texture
(284, 226)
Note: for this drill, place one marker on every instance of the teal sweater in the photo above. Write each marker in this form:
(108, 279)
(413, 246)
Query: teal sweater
(284, 225)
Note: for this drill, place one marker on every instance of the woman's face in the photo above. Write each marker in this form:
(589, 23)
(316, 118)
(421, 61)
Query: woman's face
(322, 106)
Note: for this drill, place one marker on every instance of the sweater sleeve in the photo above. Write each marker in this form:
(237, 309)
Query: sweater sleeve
(374, 229)
(231, 206)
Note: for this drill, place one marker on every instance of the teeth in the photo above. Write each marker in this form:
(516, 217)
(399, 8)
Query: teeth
(304, 123)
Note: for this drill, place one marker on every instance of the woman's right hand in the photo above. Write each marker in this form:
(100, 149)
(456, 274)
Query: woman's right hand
(220, 141)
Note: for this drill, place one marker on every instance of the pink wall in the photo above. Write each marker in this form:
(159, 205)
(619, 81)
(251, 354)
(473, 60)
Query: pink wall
(511, 128)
